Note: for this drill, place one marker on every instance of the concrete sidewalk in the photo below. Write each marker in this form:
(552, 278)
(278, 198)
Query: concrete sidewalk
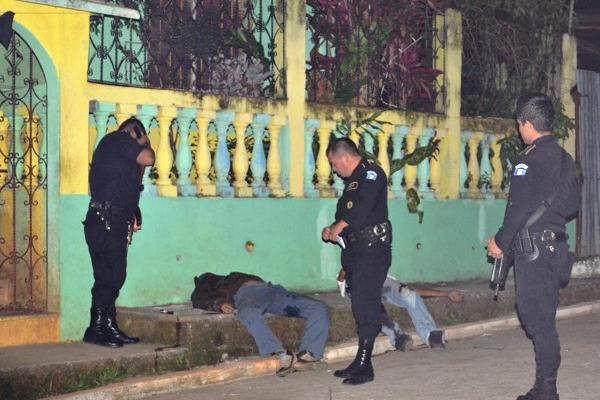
(137, 388)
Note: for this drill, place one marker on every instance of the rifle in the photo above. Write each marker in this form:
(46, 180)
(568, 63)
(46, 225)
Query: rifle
(500, 273)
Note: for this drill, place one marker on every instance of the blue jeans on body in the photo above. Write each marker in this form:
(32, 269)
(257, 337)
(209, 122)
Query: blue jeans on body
(410, 300)
(253, 301)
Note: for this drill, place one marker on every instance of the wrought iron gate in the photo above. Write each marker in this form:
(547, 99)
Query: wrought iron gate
(23, 180)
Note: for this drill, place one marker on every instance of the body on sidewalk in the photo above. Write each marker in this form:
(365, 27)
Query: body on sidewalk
(249, 297)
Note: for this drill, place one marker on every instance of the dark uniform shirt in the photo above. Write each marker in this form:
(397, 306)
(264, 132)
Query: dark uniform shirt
(213, 290)
(536, 176)
(115, 174)
(364, 201)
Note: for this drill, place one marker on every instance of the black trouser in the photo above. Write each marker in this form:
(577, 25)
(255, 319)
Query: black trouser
(366, 269)
(537, 286)
(108, 250)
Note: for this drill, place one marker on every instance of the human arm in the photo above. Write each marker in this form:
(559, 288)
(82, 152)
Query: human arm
(227, 308)
(453, 295)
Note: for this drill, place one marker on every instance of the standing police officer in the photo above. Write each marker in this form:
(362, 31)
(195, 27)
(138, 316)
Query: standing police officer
(543, 196)
(113, 215)
(361, 221)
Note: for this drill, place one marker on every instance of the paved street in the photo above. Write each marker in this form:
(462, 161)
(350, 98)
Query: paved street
(491, 367)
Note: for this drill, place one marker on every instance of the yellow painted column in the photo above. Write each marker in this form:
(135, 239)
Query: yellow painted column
(382, 143)
(71, 59)
(438, 61)
(473, 167)
(323, 168)
(295, 55)
(435, 172)
(410, 171)
(164, 155)
(125, 111)
(497, 173)
(450, 148)
(240, 155)
(568, 80)
(203, 162)
(274, 159)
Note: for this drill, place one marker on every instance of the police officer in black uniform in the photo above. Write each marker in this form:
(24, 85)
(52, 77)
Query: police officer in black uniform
(113, 215)
(543, 196)
(362, 226)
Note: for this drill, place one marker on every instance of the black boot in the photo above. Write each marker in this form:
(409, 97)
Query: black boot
(363, 371)
(347, 372)
(114, 328)
(543, 389)
(97, 333)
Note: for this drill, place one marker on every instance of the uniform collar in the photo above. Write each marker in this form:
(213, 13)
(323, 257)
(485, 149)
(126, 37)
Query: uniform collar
(360, 167)
(543, 139)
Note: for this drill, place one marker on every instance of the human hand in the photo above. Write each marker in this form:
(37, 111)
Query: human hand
(227, 308)
(493, 249)
(455, 296)
(341, 275)
(136, 226)
(326, 234)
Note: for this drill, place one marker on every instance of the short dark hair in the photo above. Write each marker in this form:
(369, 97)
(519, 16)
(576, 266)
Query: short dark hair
(343, 146)
(536, 108)
(133, 125)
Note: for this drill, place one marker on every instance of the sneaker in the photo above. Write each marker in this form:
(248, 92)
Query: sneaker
(305, 357)
(403, 342)
(286, 363)
(436, 339)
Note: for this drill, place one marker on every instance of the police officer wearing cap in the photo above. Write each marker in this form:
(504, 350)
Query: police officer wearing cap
(113, 215)
(543, 196)
(362, 228)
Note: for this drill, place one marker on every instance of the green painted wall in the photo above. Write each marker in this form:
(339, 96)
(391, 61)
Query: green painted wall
(183, 237)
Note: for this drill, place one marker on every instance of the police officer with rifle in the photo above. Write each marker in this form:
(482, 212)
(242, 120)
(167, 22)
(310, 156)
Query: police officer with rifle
(543, 196)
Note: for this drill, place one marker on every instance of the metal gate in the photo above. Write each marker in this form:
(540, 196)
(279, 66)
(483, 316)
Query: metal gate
(588, 151)
(23, 181)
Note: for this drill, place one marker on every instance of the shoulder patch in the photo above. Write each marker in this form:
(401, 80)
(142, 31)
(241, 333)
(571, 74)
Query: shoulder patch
(372, 175)
(520, 169)
(352, 186)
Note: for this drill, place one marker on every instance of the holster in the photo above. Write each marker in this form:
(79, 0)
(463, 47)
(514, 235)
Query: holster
(103, 210)
(524, 246)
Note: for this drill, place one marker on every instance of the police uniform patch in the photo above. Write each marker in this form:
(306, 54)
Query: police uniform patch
(372, 175)
(349, 204)
(352, 186)
(520, 169)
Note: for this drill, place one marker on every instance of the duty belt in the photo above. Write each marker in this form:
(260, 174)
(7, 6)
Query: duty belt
(371, 234)
(525, 241)
(105, 211)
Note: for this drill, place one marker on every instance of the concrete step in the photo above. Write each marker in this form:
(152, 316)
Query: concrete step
(36, 371)
(212, 338)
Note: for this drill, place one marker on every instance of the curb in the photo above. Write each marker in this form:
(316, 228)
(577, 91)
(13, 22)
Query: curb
(135, 388)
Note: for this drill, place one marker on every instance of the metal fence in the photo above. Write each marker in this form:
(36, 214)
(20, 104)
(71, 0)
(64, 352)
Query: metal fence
(383, 53)
(204, 46)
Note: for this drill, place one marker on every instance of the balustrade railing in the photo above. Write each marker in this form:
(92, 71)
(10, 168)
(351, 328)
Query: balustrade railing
(202, 152)
(482, 174)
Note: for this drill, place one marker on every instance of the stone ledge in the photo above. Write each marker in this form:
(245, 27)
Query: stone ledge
(213, 338)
